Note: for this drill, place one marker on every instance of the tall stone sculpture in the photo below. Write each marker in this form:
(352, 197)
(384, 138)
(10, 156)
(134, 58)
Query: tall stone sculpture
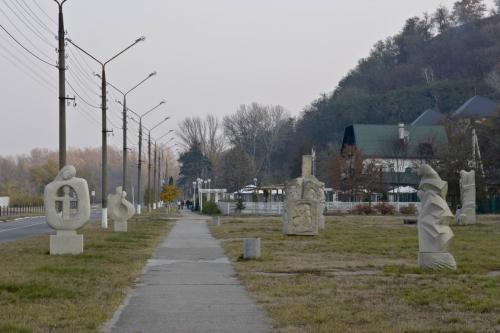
(305, 203)
(67, 207)
(434, 219)
(120, 210)
(467, 213)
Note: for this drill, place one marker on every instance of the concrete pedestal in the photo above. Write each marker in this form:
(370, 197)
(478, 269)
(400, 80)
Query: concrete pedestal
(251, 248)
(436, 260)
(66, 242)
(216, 220)
(138, 209)
(120, 226)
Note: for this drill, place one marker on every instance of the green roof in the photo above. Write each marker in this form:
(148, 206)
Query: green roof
(381, 141)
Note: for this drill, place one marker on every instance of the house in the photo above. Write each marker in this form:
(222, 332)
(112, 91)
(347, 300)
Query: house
(396, 149)
(478, 107)
(430, 117)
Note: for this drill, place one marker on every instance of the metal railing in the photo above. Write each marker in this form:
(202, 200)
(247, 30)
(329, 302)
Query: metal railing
(9, 211)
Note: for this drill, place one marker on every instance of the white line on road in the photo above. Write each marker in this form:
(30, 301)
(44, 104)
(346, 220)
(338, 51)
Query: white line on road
(26, 226)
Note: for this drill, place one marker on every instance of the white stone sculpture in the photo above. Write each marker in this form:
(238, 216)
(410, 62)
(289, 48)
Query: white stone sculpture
(67, 207)
(305, 203)
(120, 210)
(434, 232)
(467, 213)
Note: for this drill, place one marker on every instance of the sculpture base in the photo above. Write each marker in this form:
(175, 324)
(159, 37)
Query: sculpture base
(120, 226)
(251, 248)
(66, 242)
(436, 260)
(215, 220)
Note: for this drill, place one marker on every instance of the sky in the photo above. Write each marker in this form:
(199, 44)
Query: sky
(210, 56)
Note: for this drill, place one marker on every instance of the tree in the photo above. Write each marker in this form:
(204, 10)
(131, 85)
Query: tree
(442, 18)
(44, 174)
(467, 11)
(169, 193)
(193, 165)
(206, 134)
(347, 172)
(238, 169)
(258, 130)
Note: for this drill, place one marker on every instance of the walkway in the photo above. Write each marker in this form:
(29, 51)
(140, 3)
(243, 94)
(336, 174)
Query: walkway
(188, 286)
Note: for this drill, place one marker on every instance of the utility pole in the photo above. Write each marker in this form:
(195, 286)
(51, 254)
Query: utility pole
(104, 186)
(154, 176)
(62, 86)
(149, 171)
(124, 121)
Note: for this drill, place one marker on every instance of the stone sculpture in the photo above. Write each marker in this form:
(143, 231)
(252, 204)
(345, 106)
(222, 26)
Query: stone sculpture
(305, 203)
(467, 213)
(434, 232)
(120, 210)
(67, 208)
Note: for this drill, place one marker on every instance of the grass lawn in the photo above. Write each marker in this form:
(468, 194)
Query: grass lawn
(360, 275)
(43, 293)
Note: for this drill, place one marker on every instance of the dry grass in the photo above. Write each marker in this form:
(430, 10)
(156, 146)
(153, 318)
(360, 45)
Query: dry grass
(360, 275)
(43, 293)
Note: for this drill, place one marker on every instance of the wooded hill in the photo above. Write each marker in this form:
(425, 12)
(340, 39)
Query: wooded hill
(435, 61)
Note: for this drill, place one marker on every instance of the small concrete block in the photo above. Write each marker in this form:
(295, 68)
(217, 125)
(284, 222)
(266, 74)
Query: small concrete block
(216, 220)
(251, 248)
(120, 226)
(66, 242)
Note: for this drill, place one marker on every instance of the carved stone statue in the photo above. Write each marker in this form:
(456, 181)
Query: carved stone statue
(305, 203)
(467, 213)
(434, 232)
(67, 207)
(119, 209)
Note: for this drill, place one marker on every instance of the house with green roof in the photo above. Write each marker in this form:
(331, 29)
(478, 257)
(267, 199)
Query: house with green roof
(396, 149)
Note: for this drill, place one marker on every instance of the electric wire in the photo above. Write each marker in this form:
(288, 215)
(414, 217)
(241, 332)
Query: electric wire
(28, 25)
(44, 12)
(28, 73)
(35, 17)
(25, 48)
(19, 59)
(81, 98)
(79, 67)
(81, 88)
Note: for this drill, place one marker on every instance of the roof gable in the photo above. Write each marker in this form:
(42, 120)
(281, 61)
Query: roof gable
(476, 107)
(430, 117)
(381, 140)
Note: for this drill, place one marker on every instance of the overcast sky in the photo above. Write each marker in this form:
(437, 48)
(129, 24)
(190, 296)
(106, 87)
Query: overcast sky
(211, 56)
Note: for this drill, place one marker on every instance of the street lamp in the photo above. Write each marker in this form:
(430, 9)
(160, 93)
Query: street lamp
(194, 195)
(209, 193)
(104, 215)
(124, 116)
(149, 162)
(200, 194)
(139, 161)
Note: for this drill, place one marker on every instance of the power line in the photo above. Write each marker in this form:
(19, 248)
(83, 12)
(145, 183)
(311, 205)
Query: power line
(80, 68)
(83, 99)
(28, 25)
(36, 18)
(25, 48)
(26, 66)
(30, 74)
(44, 12)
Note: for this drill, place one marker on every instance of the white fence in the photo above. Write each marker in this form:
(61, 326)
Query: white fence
(276, 208)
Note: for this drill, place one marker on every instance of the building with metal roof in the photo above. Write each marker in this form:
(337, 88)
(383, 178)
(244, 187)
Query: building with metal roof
(429, 117)
(477, 107)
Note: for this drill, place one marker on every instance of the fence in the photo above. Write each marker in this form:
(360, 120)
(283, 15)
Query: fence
(21, 210)
(276, 208)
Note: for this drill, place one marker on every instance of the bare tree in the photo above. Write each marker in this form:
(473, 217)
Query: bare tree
(466, 11)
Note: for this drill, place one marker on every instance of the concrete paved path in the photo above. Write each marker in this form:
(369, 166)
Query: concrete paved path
(188, 286)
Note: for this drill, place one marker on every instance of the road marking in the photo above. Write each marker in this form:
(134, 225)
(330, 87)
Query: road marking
(23, 227)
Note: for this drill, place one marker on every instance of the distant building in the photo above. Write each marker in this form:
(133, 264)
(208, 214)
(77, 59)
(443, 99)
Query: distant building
(430, 117)
(396, 149)
(478, 107)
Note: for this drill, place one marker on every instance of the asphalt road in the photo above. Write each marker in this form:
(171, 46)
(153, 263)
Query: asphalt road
(31, 226)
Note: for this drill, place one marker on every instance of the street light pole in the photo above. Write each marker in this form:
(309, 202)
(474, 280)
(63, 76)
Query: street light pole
(62, 86)
(104, 190)
(124, 119)
(139, 160)
(149, 162)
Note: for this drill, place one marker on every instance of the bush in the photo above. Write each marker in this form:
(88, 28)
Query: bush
(210, 208)
(409, 210)
(239, 205)
(384, 208)
(363, 210)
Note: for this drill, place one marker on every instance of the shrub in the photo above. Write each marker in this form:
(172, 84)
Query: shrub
(409, 210)
(384, 208)
(210, 208)
(239, 205)
(363, 210)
